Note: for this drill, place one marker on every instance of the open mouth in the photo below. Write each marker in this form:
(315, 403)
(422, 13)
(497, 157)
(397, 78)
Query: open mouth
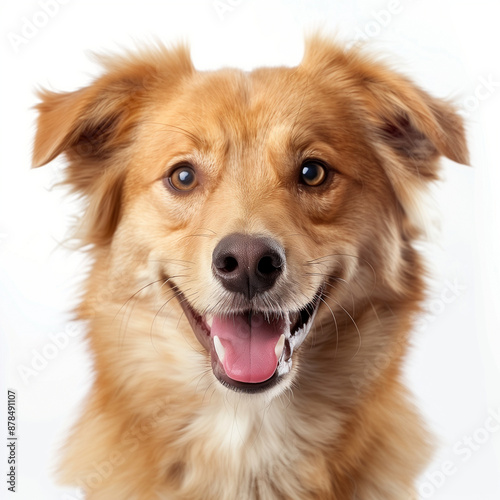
(252, 351)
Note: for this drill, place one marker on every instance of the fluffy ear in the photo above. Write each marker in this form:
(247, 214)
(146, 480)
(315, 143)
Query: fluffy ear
(409, 128)
(417, 126)
(88, 124)
(412, 130)
(93, 127)
(414, 124)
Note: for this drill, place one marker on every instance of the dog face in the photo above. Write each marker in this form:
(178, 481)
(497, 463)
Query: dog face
(244, 211)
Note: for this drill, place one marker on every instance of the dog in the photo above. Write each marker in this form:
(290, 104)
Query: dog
(254, 275)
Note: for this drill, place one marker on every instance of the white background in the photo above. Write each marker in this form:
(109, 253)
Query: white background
(449, 47)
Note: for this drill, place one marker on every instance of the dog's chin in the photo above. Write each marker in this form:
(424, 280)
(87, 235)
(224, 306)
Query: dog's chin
(279, 337)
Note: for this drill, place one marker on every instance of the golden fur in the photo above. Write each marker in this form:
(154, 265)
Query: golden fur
(157, 424)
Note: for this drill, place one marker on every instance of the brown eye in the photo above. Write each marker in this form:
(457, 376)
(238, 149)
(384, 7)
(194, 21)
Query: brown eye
(312, 173)
(183, 178)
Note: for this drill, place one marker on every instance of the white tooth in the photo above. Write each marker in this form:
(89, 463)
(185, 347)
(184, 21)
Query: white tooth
(219, 348)
(209, 320)
(279, 346)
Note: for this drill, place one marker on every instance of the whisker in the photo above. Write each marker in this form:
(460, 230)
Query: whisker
(133, 295)
(331, 285)
(336, 327)
(210, 386)
(125, 317)
(178, 262)
(354, 323)
(174, 294)
(177, 293)
(201, 376)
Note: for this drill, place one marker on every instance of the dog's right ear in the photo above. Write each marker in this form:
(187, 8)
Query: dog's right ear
(91, 126)
(85, 124)
(92, 122)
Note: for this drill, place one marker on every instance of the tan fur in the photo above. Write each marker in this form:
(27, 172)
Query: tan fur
(157, 424)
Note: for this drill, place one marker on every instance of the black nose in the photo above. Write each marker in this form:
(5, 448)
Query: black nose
(248, 264)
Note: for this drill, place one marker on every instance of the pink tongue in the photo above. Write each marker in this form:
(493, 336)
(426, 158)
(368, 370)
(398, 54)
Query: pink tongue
(249, 344)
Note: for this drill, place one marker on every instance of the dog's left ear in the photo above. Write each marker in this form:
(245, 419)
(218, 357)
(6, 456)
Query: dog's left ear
(409, 128)
(415, 125)
(412, 130)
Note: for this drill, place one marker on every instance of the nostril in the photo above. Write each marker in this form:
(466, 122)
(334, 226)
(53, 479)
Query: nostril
(248, 264)
(268, 265)
(229, 265)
